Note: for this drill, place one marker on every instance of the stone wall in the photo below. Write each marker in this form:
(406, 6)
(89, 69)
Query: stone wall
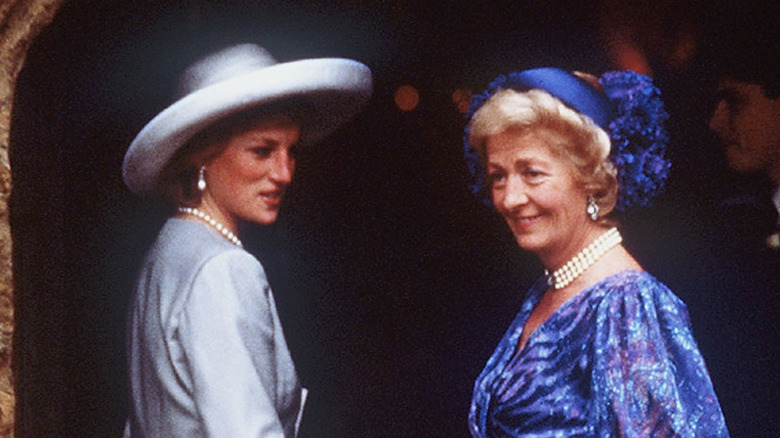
(20, 22)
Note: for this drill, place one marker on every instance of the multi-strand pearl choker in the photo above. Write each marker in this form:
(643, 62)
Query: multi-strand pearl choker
(561, 277)
(211, 221)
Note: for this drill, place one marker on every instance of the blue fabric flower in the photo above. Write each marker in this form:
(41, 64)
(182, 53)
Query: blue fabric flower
(638, 137)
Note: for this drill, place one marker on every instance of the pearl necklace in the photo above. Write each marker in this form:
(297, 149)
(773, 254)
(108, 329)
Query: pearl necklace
(583, 260)
(211, 221)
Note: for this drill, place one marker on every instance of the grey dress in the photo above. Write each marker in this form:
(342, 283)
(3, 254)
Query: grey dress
(206, 352)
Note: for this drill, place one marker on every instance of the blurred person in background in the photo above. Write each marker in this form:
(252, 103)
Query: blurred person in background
(743, 228)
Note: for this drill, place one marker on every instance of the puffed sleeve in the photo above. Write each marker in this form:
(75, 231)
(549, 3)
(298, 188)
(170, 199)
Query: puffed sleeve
(649, 378)
(227, 336)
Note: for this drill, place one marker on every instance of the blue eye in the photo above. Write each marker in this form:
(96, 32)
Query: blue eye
(263, 151)
(532, 173)
(732, 99)
(494, 178)
(534, 176)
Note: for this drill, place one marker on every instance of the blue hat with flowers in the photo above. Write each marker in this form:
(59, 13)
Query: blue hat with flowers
(629, 109)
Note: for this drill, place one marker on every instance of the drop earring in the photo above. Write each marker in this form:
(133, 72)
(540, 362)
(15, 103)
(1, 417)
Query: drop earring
(201, 178)
(593, 208)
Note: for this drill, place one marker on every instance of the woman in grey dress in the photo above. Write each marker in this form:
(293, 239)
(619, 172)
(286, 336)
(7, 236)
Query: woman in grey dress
(207, 355)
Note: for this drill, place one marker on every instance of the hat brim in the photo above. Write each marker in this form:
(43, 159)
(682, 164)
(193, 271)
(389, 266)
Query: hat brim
(337, 89)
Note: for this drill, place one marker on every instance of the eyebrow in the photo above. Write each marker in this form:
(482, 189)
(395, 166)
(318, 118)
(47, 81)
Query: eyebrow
(264, 138)
(727, 92)
(518, 162)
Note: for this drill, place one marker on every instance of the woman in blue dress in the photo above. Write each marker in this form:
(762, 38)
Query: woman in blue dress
(207, 355)
(600, 347)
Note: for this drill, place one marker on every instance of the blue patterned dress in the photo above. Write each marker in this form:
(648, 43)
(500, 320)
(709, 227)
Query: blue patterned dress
(616, 360)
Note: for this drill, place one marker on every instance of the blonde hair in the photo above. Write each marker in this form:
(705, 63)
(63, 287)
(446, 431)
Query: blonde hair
(583, 143)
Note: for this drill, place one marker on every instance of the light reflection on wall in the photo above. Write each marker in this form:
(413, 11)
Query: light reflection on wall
(407, 98)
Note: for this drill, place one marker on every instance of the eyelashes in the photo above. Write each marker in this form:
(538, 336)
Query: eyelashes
(530, 176)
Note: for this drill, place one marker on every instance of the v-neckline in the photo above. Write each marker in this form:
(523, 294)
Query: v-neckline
(516, 351)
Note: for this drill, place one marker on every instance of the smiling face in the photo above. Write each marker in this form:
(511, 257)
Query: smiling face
(748, 124)
(247, 179)
(538, 195)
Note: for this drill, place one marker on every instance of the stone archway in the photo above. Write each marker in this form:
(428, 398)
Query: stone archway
(20, 23)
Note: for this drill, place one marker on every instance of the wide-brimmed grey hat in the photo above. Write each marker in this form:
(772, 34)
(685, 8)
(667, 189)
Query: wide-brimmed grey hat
(238, 78)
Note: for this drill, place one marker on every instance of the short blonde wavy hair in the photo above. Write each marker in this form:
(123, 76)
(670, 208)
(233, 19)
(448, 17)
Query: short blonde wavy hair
(583, 143)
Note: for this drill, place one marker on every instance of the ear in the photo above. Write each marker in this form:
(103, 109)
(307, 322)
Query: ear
(202, 158)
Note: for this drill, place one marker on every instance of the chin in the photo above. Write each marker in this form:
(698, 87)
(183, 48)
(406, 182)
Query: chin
(740, 161)
(268, 220)
(264, 218)
(527, 244)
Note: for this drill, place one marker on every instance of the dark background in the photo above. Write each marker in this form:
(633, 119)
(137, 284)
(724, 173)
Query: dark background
(393, 283)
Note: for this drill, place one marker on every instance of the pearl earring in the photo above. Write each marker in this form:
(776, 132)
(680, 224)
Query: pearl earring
(201, 178)
(593, 208)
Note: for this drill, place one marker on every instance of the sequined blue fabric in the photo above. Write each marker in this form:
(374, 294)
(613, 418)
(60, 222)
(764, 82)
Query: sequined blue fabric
(616, 360)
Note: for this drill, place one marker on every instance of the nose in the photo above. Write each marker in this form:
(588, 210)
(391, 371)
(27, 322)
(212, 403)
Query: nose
(283, 168)
(718, 120)
(513, 194)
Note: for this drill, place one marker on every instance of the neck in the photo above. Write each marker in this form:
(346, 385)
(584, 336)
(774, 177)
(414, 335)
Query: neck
(583, 260)
(556, 259)
(219, 214)
(774, 175)
(213, 223)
